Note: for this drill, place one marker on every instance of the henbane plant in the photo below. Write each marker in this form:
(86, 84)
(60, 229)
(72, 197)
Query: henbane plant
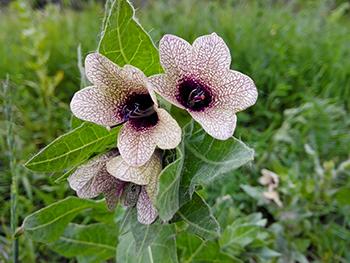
(130, 148)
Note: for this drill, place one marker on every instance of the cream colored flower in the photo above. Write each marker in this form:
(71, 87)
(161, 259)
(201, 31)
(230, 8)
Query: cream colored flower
(198, 78)
(110, 175)
(121, 95)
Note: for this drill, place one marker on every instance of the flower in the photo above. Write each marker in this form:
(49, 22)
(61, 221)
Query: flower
(198, 78)
(103, 174)
(121, 95)
(271, 180)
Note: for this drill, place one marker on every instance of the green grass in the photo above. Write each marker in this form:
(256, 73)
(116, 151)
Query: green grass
(296, 51)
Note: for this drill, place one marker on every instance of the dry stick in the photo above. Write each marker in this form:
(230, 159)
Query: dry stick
(10, 139)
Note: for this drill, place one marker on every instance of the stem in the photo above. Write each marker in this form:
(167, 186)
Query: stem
(10, 140)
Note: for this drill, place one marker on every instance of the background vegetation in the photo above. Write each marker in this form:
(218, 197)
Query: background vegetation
(297, 52)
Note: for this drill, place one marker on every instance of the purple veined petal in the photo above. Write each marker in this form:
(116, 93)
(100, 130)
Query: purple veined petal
(83, 179)
(104, 73)
(112, 190)
(101, 71)
(211, 57)
(167, 133)
(137, 175)
(166, 87)
(175, 56)
(136, 147)
(236, 90)
(153, 186)
(146, 212)
(218, 122)
(98, 105)
(134, 80)
(113, 86)
(92, 179)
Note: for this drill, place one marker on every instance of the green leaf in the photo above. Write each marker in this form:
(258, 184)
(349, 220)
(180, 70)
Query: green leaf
(167, 201)
(194, 249)
(124, 41)
(343, 196)
(162, 249)
(197, 214)
(73, 148)
(144, 235)
(207, 158)
(47, 224)
(97, 241)
(256, 193)
(65, 175)
(243, 232)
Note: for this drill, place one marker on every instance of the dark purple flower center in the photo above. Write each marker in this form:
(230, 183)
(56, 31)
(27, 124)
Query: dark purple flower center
(139, 111)
(193, 95)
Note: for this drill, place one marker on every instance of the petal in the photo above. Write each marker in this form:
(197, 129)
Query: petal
(81, 180)
(92, 179)
(211, 56)
(113, 193)
(219, 123)
(175, 56)
(98, 105)
(101, 71)
(134, 80)
(153, 185)
(236, 90)
(136, 147)
(104, 73)
(167, 133)
(137, 175)
(166, 87)
(146, 212)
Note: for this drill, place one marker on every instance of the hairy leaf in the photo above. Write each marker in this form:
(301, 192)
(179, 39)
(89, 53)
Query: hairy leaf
(167, 201)
(197, 214)
(73, 148)
(98, 241)
(124, 41)
(207, 158)
(144, 235)
(162, 249)
(243, 232)
(194, 249)
(47, 224)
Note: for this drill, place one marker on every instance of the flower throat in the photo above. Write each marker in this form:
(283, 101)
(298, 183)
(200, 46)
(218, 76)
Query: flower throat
(194, 95)
(139, 111)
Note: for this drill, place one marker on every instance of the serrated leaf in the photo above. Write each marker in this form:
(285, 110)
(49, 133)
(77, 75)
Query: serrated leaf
(73, 148)
(162, 249)
(197, 214)
(96, 241)
(207, 158)
(47, 224)
(167, 201)
(124, 41)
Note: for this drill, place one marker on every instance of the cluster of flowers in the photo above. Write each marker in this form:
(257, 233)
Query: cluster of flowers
(197, 78)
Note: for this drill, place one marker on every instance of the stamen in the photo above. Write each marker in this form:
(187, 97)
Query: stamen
(139, 110)
(142, 113)
(196, 95)
(118, 124)
(193, 94)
